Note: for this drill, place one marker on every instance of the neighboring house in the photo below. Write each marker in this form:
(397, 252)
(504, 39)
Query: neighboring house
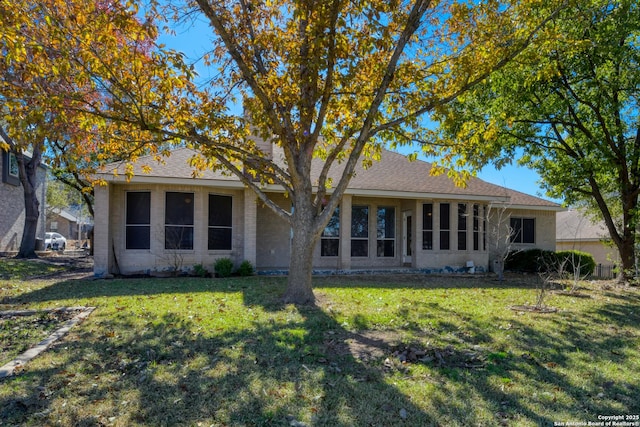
(575, 231)
(393, 215)
(67, 224)
(12, 213)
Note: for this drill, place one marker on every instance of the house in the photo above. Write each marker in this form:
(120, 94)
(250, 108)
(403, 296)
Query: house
(68, 224)
(575, 231)
(393, 215)
(12, 211)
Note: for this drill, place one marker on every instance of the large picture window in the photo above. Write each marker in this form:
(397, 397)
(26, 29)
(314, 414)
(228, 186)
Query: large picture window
(427, 226)
(445, 227)
(220, 222)
(178, 220)
(523, 230)
(360, 231)
(138, 220)
(330, 240)
(386, 232)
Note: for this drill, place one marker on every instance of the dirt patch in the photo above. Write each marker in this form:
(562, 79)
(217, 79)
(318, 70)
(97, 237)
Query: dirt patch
(60, 319)
(74, 267)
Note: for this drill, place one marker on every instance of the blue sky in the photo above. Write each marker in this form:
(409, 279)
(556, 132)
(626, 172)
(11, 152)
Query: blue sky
(193, 40)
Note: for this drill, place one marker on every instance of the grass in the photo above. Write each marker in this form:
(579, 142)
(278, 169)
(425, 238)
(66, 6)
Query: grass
(19, 269)
(203, 352)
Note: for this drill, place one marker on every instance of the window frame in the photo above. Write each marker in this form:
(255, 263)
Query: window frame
(220, 226)
(189, 238)
(330, 237)
(360, 239)
(476, 226)
(381, 242)
(462, 226)
(520, 234)
(427, 227)
(7, 176)
(445, 227)
(137, 225)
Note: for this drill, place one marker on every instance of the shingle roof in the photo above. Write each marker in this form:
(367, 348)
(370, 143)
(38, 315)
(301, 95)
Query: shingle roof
(392, 175)
(574, 225)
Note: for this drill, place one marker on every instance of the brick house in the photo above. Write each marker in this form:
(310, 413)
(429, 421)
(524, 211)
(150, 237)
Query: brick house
(12, 212)
(393, 215)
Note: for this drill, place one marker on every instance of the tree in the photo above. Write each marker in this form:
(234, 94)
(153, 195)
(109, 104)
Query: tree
(43, 86)
(27, 174)
(328, 80)
(571, 102)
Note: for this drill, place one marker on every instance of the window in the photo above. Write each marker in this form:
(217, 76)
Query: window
(462, 226)
(427, 226)
(220, 222)
(360, 231)
(476, 227)
(523, 230)
(10, 173)
(53, 226)
(13, 166)
(138, 220)
(178, 220)
(386, 232)
(330, 240)
(445, 227)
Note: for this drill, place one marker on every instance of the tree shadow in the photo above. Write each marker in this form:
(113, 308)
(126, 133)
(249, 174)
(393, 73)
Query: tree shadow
(280, 372)
(301, 366)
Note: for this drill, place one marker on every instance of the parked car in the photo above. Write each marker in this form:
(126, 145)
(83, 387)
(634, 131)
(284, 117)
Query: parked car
(55, 241)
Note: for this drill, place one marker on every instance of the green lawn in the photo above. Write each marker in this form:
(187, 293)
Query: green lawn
(383, 351)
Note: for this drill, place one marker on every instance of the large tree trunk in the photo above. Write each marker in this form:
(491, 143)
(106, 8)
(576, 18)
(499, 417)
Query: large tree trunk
(28, 177)
(627, 259)
(303, 241)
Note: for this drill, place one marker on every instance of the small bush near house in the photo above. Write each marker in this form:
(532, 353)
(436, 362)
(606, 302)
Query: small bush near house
(577, 259)
(199, 270)
(223, 267)
(538, 260)
(246, 268)
(529, 261)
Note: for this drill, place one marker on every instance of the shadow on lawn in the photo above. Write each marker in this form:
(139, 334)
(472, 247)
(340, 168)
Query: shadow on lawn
(278, 372)
(93, 288)
(274, 373)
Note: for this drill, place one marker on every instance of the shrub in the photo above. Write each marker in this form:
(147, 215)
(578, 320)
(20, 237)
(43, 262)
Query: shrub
(246, 268)
(199, 270)
(530, 261)
(538, 260)
(575, 259)
(223, 267)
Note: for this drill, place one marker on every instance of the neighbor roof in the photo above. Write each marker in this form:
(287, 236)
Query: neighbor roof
(393, 176)
(573, 225)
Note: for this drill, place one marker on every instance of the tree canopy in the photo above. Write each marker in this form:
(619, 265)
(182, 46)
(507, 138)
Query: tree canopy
(571, 102)
(332, 80)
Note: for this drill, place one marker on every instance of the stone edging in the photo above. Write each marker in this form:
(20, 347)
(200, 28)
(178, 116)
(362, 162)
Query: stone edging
(9, 369)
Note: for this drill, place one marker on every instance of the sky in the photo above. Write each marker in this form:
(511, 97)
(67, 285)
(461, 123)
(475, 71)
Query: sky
(192, 40)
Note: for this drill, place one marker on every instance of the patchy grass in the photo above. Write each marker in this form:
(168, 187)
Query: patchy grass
(19, 332)
(20, 269)
(401, 350)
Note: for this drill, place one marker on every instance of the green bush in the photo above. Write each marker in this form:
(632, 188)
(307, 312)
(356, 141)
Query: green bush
(538, 260)
(575, 259)
(223, 267)
(199, 270)
(246, 268)
(530, 261)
